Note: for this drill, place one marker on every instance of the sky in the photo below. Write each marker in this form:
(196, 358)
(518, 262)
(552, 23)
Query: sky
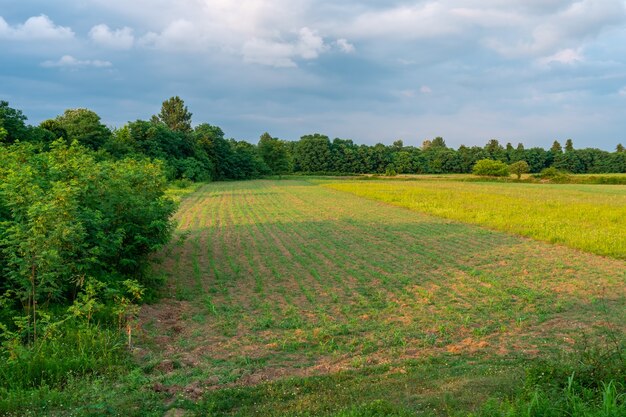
(528, 71)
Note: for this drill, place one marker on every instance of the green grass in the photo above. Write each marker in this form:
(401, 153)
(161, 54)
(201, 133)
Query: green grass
(587, 217)
(291, 298)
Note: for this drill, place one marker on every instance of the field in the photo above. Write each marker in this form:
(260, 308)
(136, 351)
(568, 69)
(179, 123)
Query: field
(586, 217)
(294, 298)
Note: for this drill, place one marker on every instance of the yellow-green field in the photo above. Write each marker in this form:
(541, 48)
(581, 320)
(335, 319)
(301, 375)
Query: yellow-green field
(587, 217)
(295, 298)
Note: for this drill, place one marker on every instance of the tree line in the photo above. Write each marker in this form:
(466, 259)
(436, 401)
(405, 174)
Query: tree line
(203, 153)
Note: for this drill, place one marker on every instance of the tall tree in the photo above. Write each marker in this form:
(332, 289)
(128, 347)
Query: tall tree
(12, 123)
(313, 153)
(84, 126)
(495, 150)
(569, 145)
(274, 153)
(175, 115)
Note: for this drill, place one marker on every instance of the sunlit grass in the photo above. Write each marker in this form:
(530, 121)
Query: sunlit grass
(587, 217)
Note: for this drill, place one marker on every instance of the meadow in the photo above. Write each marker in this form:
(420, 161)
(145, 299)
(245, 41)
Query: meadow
(586, 217)
(297, 298)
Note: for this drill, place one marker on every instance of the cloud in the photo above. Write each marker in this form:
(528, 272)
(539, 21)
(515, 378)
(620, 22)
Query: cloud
(543, 36)
(68, 61)
(403, 22)
(566, 56)
(345, 46)
(425, 89)
(622, 92)
(308, 45)
(114, 39)
(181, 35)
(35, 28)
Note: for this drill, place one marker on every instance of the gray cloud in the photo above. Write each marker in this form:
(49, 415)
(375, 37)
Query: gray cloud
(468, 70)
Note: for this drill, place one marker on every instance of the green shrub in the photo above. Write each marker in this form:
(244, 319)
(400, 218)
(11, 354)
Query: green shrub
(552, 174)
(518, 168)
(490, 168)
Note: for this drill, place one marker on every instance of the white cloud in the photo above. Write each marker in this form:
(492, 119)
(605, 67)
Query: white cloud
(566, 56)
(35, 28)
(403, 22)
(622, 92)
(308, 45)
(566, 28)
(179, 35)
(68, 61)
(115, 39)
(425, 89)
(345, 46)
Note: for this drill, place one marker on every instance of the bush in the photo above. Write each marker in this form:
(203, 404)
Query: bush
(491, 168)
(553, 174)
(518, 168)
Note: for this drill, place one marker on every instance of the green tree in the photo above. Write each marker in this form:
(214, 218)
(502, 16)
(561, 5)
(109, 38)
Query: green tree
(220, 152)
(438, 142)
(569, 145)
(83, 126)
(274, 153)
(556, 147)
(495, 151)
(518, 168)
(313, 153)
(619, 148)
(175, 115)
(13, 124)
(491, 168)
(402, 162)
(66, 216)
(55, 127)
(398, 145)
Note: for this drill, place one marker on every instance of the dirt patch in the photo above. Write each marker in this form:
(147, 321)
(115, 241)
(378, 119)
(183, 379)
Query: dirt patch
(468, 345)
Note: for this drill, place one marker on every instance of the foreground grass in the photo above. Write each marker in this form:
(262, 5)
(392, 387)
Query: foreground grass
(587, 217)
(286, 298)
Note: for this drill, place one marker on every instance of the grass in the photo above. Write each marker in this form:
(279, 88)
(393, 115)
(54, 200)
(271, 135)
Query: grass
(586, 217)
(287, 298)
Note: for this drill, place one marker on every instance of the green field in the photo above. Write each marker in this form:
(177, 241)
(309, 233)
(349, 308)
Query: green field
(272, 280)
(587, 217)
(292, 298)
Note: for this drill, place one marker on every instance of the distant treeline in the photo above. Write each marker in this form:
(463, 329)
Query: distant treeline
(203, 153)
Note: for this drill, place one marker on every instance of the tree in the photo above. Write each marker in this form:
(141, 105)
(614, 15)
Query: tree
(518, 168)
(313, 153)
(12, 123)
(220, 152)
(491, 168)
(556, 147)
(438, 142)
(495, 150)
(55, 127)
(569, 145)
(84, 126)
(175, 115)
(274, 153)
(398, 145)
(402, 162)
(67, 216)
(619, 148)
